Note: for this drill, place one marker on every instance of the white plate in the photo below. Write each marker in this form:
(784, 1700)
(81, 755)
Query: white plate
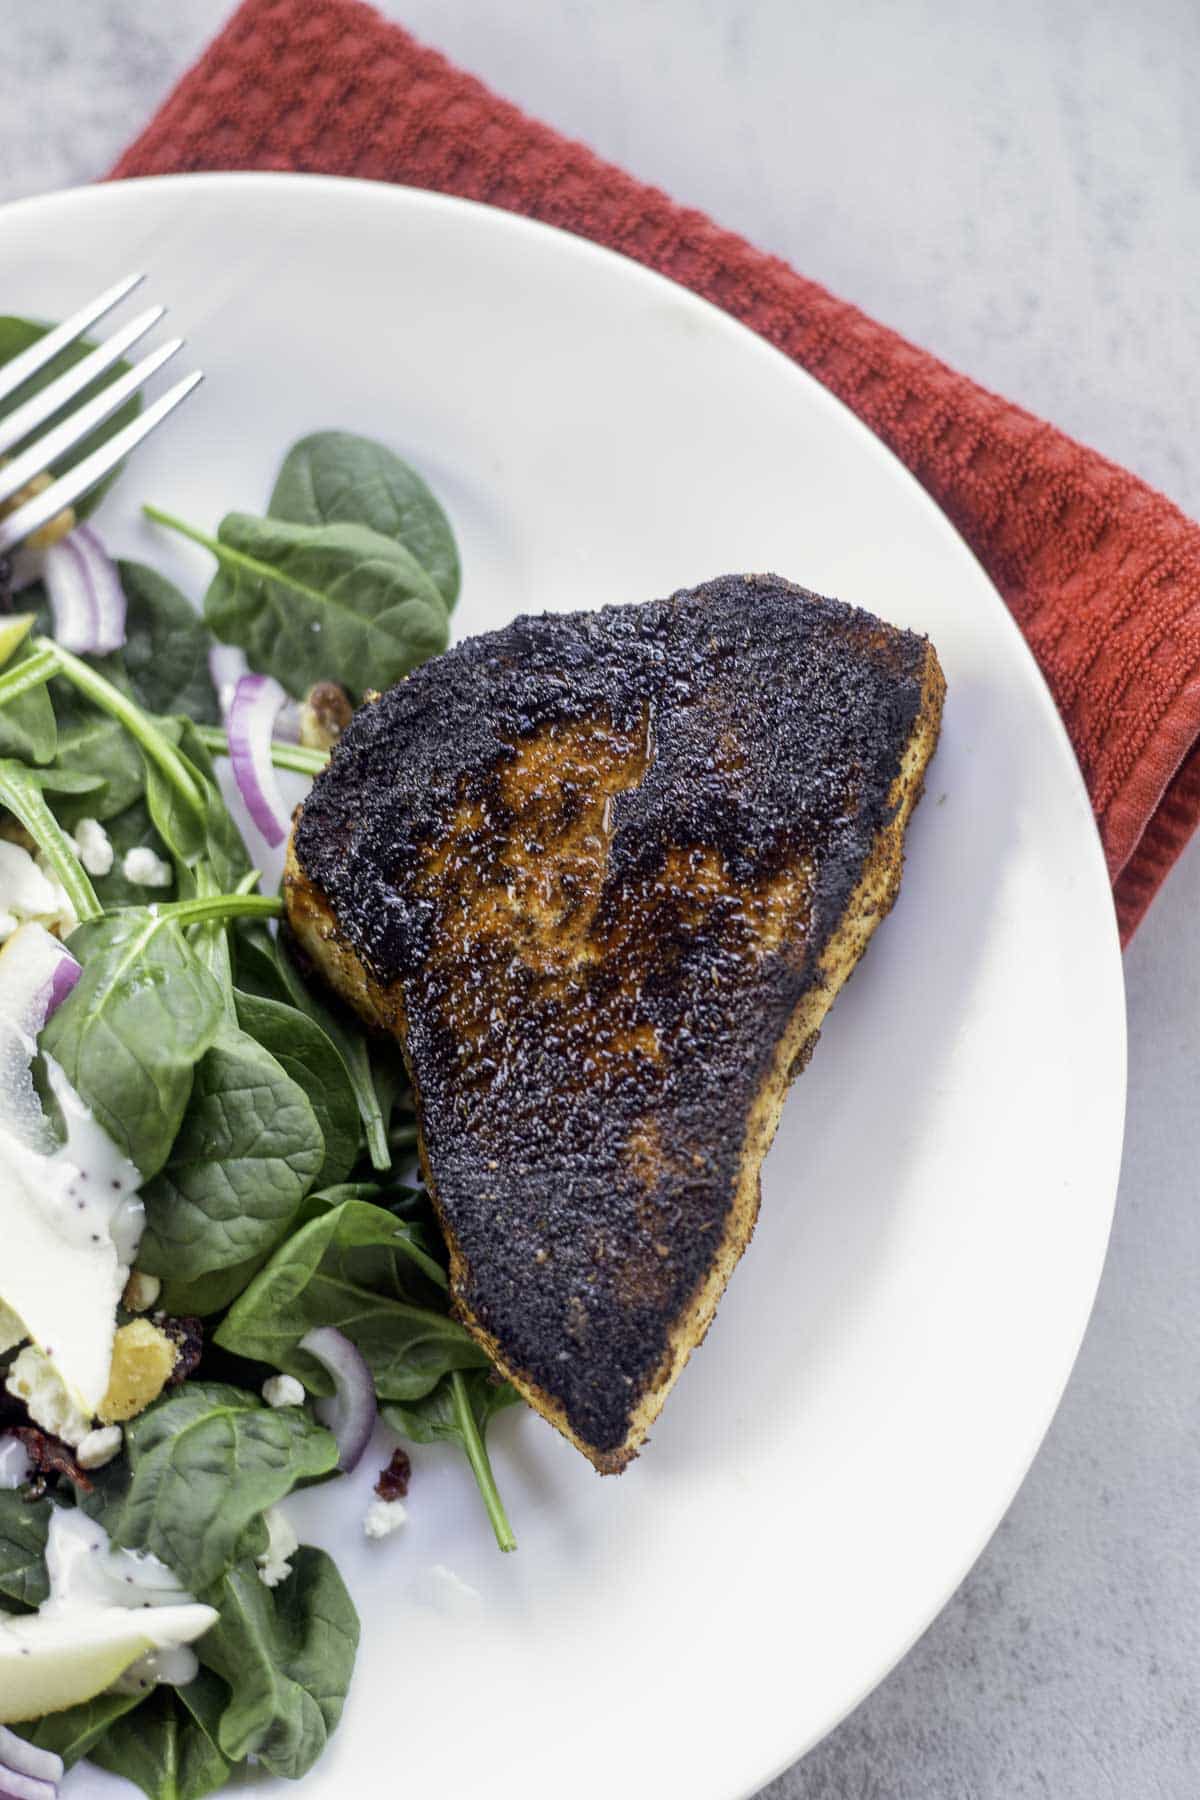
(936, 1208)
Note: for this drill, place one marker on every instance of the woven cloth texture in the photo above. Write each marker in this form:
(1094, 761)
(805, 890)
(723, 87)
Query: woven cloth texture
(1101, 572)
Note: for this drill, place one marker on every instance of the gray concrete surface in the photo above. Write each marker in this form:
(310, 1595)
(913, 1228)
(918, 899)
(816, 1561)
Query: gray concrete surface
(1019, 189)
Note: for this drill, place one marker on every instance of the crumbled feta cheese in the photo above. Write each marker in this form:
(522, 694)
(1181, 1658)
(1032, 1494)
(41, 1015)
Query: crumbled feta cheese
(34, 1379)
(440, 1588)
(383, 1517)
(94, 846)
(282, 1542)
(24, 889)
(63, 919)
(283, 1390)
(30, 890)
(8, 924)
(141, 1292)
(145, 868)
(99, 1447)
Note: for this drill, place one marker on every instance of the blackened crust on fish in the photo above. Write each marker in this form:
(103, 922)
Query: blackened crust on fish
(588, 868)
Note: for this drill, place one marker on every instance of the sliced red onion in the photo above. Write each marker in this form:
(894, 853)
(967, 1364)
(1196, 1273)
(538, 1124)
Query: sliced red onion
(226, 666)
(350, 1414)
(251, 724)
(25, 1787)
(39, 1770)
(37, 972)
(66, 974)
(15, 1470)
(85, 592)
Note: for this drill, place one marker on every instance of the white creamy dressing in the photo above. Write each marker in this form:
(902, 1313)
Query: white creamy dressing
(111, 1616)
(70, 1215)
(70, 1222)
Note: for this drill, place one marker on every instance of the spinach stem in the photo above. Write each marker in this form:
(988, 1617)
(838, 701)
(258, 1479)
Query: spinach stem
(284, 756)
(212, 941)
(220, 906)
(26, 803)
(226, 555)
(214, 937)
(110, 700)
(33, 672)
(185, 530)
(481, 1468)
(374, 1128)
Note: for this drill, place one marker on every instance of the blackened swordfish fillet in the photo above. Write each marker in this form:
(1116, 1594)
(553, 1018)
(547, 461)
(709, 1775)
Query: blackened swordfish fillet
(602, 875)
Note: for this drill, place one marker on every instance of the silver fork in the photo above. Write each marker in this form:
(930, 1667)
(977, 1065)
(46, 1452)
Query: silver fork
(36, 455)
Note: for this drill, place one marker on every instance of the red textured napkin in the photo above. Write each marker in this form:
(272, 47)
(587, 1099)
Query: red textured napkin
(1101, 573)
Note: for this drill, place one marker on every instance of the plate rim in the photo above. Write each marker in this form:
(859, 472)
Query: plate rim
(1108, 959)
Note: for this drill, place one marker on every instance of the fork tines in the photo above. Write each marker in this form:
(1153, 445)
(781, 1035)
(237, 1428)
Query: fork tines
(37, 454)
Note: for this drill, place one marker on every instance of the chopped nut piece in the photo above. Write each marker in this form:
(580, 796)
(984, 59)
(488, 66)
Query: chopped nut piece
(58, 527)
(99, 1447)
(143, 1361)
(326, 713)
(141, 1291)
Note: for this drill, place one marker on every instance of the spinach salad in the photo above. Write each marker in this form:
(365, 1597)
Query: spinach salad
(290, 1280)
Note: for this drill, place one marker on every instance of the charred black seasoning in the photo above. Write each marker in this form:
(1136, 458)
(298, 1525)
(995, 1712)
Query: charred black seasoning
(602, 854)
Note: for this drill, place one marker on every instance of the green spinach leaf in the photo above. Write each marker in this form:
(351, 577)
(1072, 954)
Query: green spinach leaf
(320, 603)
(192, 833)
(457, 1412)
(28, 729)
(264, 967)
(287, 1654)
(248, 1150)
(141, 1016)
(303, 1050)
(17, 335)
(352, 1266)
(22, 791)
(201, 1467)
(23, 1528)
(336, 477)
(89, 743)
(224, 849)
(211, 1293)
(130, 830)
(166, 653)
(71, 1734)
(169, 1745)
(437, 1419)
